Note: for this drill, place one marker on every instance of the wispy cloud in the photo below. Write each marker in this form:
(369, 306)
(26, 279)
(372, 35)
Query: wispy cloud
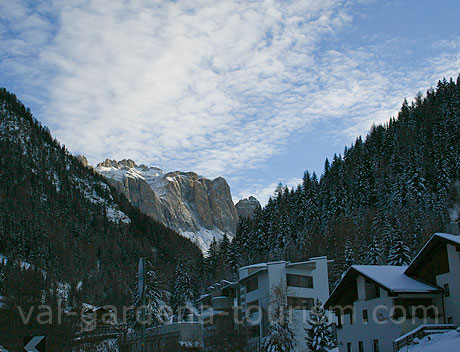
(263, 191)
(214, 87)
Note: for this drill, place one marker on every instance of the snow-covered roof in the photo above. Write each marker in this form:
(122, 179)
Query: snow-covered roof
(448, 236)
(393, 278)
(258, 265)
(455, 239)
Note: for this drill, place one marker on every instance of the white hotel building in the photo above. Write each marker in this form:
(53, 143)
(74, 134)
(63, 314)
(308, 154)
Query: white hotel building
(305, 282)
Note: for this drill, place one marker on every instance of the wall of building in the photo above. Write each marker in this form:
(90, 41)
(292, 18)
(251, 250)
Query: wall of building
(380, 325)
(452, 278)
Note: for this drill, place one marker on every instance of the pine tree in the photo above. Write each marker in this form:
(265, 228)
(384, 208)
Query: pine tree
(182, 294)
(399, 253)
(374, 256)
(280, 337)
(153, 297)
(319, 335)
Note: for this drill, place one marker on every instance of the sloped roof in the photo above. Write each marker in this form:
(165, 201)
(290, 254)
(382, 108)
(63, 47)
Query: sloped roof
(446, 237)
(449, 237)
(390, 277)
(393, 278)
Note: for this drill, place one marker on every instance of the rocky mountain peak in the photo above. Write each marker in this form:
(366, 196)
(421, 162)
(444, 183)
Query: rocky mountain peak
(196, 207)
(246, 207)
(83, 160)
(127, 163)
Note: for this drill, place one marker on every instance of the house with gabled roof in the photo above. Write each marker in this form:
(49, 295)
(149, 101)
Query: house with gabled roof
(375, 305)
(438, 263)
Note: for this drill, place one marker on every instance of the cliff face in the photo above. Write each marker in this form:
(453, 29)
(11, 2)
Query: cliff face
(246, 207)
(195, 206)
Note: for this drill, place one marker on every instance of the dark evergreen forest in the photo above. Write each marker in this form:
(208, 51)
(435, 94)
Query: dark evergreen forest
(376, 204)
(58, 239)
(64, 229)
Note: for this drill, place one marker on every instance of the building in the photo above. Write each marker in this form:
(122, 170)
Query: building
(184, 336)
(229, 307)
(219, 316)
(305, 282)
(438, 263)
(375, 305)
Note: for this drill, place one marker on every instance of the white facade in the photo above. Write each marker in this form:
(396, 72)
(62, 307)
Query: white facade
(450, 281)
(305, 282)
(370, 297)
(376, 329)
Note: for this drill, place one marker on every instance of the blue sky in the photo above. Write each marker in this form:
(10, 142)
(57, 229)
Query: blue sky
(255, 91)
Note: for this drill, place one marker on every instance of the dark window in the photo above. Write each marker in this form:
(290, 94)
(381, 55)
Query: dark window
(349, 349)
(299, 281)
(360, 346)
(376, 346)
(339, 319)
(300, 303)
(446, 290)
(419, 307)
(365, 317)
(253, 331)
(450, 320)
(252, 285)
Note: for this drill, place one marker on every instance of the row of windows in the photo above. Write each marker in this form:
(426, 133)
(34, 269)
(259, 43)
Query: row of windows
(375, 346)
(291, 280)
(299, 281)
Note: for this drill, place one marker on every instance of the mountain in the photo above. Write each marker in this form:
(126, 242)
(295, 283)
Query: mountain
(194, 206)
(377, 203)
(65, 232)
(247, 207)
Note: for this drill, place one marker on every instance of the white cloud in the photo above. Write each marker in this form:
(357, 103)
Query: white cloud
(264, 191)
(214, 87)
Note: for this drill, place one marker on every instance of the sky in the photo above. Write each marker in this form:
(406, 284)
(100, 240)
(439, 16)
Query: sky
(254, 91)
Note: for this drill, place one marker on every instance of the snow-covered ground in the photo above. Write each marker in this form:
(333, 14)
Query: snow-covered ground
(203, 238)
(446, 342)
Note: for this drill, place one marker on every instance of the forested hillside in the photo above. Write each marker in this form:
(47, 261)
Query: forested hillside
(377, 203)
(82, 238)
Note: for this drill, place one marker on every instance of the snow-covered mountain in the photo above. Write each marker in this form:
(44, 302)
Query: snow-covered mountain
(195, 206)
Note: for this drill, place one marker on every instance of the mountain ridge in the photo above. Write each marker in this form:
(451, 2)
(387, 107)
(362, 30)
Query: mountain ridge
(196, 207)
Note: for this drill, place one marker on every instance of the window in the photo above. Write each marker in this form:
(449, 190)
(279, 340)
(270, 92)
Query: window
(376, 346)
(299, 281)
(365, 316)
(339, 319)
(360, 346)
(252, 285)
(349, 349)
(450, 320)
(300, 303)
(446, 290)
(253, 331)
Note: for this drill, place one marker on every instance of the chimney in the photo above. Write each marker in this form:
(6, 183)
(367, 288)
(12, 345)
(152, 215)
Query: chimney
(452, 228)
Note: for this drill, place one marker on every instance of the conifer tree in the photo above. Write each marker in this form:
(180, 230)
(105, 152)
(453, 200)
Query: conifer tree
(319, 335)
(182, 294)
(374, 256)
(399, 253)
(153, 298)
(280, 337)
